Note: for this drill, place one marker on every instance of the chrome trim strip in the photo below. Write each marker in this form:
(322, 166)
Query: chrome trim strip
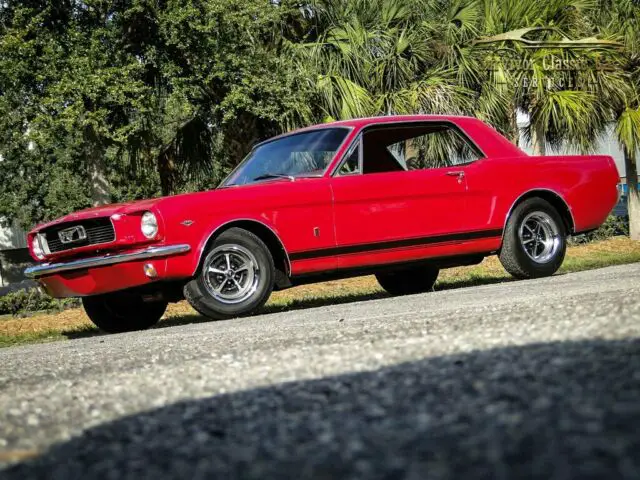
(93, 262)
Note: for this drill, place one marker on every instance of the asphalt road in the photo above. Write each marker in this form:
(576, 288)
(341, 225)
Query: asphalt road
(536, 379)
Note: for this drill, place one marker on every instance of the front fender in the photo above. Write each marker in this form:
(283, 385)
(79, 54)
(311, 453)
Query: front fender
(199, 236)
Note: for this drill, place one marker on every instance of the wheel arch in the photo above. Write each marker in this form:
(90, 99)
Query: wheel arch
(554, 198)
(262, 231)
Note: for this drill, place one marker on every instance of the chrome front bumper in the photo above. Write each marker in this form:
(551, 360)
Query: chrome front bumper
(151, 252)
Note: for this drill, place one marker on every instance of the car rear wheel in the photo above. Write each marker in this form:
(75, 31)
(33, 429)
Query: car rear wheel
(534, 243)
(409, 280)
(123, 311)
(236, 276)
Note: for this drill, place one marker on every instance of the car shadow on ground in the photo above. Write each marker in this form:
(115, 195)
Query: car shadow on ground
(297, 304)
(338, 299)
(302, 304)
(556, 410)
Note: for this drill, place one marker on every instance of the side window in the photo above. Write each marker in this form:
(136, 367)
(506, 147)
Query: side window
(415, 147)
(351, 165)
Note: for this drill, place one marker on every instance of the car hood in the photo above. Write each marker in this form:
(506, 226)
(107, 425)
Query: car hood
(209, 200)
(103, 211)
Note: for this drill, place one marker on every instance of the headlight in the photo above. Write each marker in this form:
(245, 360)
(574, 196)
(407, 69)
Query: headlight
(37, 248)
(149, 225)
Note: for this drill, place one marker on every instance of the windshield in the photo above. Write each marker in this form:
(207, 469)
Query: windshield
(300, 155)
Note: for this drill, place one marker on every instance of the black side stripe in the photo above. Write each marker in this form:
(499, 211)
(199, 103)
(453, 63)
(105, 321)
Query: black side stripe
(407, 242)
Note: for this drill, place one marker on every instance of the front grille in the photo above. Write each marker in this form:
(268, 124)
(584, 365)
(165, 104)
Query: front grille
(99, 230)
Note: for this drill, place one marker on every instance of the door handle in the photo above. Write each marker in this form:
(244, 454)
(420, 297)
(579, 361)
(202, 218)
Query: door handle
(457, 173)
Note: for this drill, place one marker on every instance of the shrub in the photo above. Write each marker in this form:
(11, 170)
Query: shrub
(612, 227)
(33, 300)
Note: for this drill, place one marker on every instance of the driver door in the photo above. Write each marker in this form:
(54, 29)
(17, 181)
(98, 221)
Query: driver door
(398, 201)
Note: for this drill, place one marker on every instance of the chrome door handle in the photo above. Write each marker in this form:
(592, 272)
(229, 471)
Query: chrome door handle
(457, 173)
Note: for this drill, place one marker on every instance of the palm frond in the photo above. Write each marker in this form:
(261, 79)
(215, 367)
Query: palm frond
(569, 116)
(628, 129)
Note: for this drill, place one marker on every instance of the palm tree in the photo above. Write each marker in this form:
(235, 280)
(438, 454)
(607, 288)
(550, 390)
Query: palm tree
(401, 56)
(563, 106)
(372, 57)
(623, 19)
(628, 132)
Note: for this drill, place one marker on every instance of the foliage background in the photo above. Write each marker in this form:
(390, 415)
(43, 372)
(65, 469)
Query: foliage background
(110, 100)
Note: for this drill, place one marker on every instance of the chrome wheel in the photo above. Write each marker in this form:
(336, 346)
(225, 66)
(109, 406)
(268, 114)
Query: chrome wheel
(231, 273)
(540, 237)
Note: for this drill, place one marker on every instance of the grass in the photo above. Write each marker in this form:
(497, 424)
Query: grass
(73, 323)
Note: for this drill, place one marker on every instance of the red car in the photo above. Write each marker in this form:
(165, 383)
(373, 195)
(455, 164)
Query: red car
(400, 197)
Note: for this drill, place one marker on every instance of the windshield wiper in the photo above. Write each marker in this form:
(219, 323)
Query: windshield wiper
(273, 175)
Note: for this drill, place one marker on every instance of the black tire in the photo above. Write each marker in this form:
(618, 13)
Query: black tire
(409, 280)
(514, 254)
(201, 291)
(123, 311)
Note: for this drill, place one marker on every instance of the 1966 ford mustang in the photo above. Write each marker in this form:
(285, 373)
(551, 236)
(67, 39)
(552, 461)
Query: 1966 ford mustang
(400, 197)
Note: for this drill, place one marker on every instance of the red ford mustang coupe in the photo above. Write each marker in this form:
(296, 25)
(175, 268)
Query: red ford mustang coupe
(400, 197)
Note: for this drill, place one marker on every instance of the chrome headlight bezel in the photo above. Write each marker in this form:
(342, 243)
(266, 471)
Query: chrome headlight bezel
(36, 247)
(149, 225)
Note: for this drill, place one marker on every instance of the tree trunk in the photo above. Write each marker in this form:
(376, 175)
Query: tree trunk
(633, 196)
(166, 171)
(99, 184)
(513, 126)
(537, 139)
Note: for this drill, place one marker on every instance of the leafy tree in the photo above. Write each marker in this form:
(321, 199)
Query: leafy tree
(226, 81)
(106, 100)
(67, 92)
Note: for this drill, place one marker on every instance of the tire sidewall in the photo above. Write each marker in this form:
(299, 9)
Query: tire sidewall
(108, 314)
(408, 280)
(536, 269)
(210, 306)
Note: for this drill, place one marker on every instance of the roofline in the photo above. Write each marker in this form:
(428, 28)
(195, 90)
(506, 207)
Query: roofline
(419, 116)
(354, 122)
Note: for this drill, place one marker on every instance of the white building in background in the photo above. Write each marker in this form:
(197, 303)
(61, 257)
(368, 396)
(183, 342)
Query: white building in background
(13, 253)
(12, 237)
(607, 145)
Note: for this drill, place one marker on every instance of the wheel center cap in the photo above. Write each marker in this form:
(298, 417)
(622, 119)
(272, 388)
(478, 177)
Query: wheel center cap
(229, 273)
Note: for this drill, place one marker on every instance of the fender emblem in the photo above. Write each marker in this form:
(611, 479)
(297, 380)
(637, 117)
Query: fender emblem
(187, 223)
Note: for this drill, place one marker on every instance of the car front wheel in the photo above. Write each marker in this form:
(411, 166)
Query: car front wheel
(534, 241)
(123, 311)
(409, 280)
(236, 276)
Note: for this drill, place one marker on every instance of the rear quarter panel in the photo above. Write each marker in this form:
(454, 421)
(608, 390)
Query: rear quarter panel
(587, 184)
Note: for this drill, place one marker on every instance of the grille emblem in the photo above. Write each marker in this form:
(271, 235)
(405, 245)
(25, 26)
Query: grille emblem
(73, 234)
